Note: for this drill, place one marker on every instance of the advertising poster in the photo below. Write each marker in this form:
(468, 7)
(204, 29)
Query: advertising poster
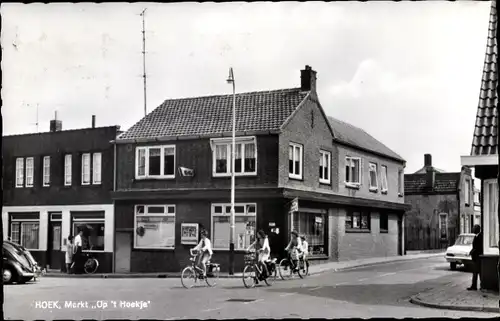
(189, 233)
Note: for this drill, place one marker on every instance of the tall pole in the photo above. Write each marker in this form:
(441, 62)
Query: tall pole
(143, 13)
(233, 149)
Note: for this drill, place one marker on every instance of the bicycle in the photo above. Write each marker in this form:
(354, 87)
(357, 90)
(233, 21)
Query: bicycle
(301, 268)
(91, 264)
(252, 272)
(195, 273)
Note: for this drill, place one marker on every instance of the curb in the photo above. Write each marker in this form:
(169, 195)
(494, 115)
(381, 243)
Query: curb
(223, 276)
(415, 300)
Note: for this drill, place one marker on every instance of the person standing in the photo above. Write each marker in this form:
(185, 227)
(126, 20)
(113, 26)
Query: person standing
(78, 252)
(475, 253)
(70, 248)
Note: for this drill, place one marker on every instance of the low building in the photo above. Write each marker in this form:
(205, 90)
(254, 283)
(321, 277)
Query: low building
(295, 168)
(484, 156)
(55, 183)
(442, 206)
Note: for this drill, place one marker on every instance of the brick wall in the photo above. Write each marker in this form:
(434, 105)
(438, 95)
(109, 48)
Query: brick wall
(426, 208)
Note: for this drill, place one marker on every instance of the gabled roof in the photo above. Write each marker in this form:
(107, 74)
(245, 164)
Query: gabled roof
(353, 136)
(443, 183)
(423, 170)
(255, 112)
(484, 141)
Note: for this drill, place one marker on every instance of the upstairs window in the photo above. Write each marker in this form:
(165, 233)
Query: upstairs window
(30, 169)
(295, 155)
(401, 183)
(324, 167)
(353, 171)
(96, 168)
(373, 177)
(384, 179)
(67, 169)
(245, 157)
(19, 172)
(86, 169)
(155, 162)
(467, 192)
(46, 171)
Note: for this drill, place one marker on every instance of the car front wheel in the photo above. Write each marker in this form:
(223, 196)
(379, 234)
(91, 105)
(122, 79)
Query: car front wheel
(453, 266)
(8, 275)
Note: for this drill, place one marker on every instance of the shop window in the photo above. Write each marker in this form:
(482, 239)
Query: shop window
(245, 223)
(25, 234)
(154, 226)
(313, 226)
(384, 222)
(357, 220)
(93, 233)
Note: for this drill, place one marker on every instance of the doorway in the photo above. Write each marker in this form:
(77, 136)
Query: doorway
(123, 251)
(54, 243)
(400, 236)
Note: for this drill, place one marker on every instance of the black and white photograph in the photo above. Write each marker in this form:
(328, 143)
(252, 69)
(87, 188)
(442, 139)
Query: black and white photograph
(250, 160)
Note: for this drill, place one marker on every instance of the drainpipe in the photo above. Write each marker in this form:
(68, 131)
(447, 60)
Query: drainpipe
(114, 208)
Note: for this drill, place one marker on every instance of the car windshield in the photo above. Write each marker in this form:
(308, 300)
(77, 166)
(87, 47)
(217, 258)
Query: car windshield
(464, 240)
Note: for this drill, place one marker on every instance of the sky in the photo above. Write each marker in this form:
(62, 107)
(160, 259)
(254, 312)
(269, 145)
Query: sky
(408, 73)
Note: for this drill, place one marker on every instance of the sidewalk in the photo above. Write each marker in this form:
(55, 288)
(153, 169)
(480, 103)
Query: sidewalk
(454, 296)
(313, 269)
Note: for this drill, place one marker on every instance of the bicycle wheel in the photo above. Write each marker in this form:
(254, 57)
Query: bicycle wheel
(188, 277)
(249, 276)
(213, 277)
(285, 269)
(91, 266)
(303, 270)
(272, 274)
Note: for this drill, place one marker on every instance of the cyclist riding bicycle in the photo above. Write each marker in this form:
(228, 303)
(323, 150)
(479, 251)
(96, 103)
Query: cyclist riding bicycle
(205, 252)
(294, 245)
(261, 245)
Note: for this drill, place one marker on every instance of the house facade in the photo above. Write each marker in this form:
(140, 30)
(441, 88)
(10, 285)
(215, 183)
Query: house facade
(484, 156)
(295, 168)
(442, 206)
(55, 183)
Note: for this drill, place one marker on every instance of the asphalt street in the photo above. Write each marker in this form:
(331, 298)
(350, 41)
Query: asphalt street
(376, 291)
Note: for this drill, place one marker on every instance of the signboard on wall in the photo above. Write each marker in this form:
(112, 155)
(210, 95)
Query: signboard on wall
(189, 233)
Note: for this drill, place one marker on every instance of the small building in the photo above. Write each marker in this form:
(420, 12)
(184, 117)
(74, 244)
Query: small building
(55, 183)
(295, 168)
(484, 156)
(442, 206)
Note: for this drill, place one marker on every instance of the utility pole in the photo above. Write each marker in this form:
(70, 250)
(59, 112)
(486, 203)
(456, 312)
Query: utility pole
(143, 13)
(37, 122)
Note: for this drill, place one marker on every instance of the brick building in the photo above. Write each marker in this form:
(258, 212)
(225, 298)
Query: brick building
(442, 206)
(484, 155)
(56, 182)
(173, 178)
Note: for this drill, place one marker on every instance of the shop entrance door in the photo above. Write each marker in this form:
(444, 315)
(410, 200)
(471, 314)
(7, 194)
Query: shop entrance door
(54, 245)
(400, 236)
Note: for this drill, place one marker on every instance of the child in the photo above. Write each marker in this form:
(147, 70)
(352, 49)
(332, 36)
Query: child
(261, 245)
(294, 245)
(305, 250)
(69, 254)
(205, 251)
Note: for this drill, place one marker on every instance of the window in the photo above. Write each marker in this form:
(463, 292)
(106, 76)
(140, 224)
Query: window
(357, 220)
(93, 233)
(373, 177)
(245, 222)
(154, 226)
(385, 184)
(19, 172)
(467, 192)
(491, 211)
(295, 161)
(245, 157)
(400, 183)
(46, 171)
(67, 170)
(96, 168)
(313, 226)
(352, 170)
(324, 167)
(155, 162)
(443, 225)
(384, 222)
(30, 167)
(86, 169)
(25, 234)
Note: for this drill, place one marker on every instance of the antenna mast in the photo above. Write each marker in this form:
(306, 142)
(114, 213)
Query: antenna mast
(37, 118)
(144, 57)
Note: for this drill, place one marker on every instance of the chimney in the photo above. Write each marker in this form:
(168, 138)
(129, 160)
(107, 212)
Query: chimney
(308, 79)
(427, 160)
(55, 125)
(93, 121)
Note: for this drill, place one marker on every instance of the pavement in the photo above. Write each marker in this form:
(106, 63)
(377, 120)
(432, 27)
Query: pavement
(370, 291)
(313, 269)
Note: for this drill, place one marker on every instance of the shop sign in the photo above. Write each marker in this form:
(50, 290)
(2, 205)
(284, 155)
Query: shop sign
(150, 226)
(319, 219)
(189, 233)
(272, 224)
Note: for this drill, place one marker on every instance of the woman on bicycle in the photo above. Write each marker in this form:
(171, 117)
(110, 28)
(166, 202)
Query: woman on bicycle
(205, 252)
(294, 245)
(261, 245)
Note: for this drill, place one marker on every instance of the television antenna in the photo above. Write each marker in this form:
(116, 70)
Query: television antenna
(143, 14)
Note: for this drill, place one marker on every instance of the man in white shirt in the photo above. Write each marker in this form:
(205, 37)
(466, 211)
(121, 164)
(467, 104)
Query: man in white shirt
(78, 252)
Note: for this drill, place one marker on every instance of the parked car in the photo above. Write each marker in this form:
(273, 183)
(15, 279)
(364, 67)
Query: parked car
(459, 253)
(18, 264)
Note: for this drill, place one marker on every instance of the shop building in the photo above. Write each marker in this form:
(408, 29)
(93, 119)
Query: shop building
(295, 168)
(484, 156)
(55, 183)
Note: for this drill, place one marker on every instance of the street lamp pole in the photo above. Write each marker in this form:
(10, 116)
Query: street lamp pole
(230, 79)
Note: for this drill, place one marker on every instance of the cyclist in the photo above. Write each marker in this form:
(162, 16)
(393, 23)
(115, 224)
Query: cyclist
(261, 245)
(305, 249)
(294, 245)
(205, 252)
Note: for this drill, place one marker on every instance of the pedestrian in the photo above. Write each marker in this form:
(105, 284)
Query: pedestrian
(305, 250)
(70, 248)
(77, 258)
(475, 253)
